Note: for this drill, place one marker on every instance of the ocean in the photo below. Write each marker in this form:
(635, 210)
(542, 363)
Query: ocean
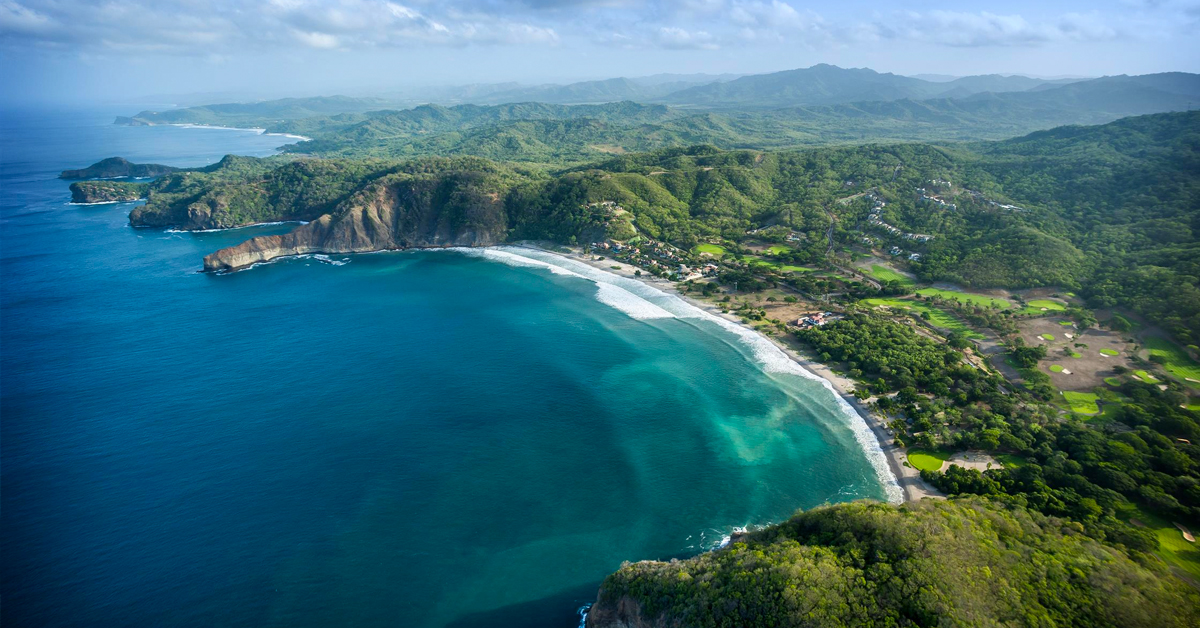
(423, 438)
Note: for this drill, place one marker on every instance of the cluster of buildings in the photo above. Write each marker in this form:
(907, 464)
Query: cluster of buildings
(687, 273)
(875, 219)
(981, 198)
(816, 319)
(912, 257)
(656, 256)
(935, 199)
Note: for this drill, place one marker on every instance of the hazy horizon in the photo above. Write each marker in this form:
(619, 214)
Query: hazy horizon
(69, 51)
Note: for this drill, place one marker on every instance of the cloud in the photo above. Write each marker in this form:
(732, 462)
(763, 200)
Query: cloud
(188, 26)
(197, 27)
(679, 39)
(961, 29)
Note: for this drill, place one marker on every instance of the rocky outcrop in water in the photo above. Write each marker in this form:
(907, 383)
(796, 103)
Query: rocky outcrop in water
(115, 167)
(394, 212)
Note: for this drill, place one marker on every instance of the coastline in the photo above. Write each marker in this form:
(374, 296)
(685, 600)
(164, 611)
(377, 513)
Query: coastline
(188, 125)
(912, 487)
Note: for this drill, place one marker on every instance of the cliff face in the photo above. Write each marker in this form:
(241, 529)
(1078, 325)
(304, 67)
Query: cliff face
(396, 212)
(623, 612)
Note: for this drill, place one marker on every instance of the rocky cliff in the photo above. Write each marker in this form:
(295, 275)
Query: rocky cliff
(394, 212)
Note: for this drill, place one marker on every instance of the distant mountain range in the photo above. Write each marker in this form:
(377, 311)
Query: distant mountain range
(818, 105)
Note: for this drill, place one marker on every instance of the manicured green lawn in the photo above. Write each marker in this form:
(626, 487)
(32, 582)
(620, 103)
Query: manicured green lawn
(1011, 461)
(883, 273)
(1047, 336)
(1113, 381)
(937, 317)
(1177, 362)
(777, 249)
(1081, 402)
(970, 299)
(1109, 352)
(925, 460)
(1042, 306)
(786, 268)
(1172, 547)
(1145, 377)
(1076, 355)
(712, 249)
(1056, 368)
(1065, 323)
(1054, 306)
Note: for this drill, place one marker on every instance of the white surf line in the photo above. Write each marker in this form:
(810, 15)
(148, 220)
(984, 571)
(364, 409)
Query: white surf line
(772, 358)
(257, 224)
(136, 200)
(255, 130)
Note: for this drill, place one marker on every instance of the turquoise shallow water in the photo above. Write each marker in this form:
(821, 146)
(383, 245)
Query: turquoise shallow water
(396, 439)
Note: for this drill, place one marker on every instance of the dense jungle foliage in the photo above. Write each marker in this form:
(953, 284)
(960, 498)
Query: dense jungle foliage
(963, 562)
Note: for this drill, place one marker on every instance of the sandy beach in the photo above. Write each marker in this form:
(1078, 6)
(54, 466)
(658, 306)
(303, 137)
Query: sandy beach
(909, 478)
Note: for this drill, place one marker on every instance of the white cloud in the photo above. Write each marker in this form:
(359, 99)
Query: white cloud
(196, 27)
(679, 39)
(955, 28)
(316, 40)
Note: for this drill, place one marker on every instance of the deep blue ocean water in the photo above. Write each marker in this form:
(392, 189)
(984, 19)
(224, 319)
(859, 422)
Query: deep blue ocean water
(395, 439)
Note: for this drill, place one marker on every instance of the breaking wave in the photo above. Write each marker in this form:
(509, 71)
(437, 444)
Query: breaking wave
(642, 301)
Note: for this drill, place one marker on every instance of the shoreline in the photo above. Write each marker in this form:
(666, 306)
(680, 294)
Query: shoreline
(907, 478)
(256, 130)
(912, 487)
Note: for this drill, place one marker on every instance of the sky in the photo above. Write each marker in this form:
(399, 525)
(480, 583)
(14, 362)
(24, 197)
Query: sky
(110, 51)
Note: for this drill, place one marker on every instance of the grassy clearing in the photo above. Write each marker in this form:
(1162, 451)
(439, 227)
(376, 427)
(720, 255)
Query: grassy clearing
(1047, 336)
(970, 299)
(1042, 306)
(784, 268)
(1011, 461)
(1081, 402)
(937, 318)
(1065, 323)
(1115, 382)
(1145, 377)
(777, 249)
(1172, 547)
(1177, 362)
(1109, 352)
(1076, 355)
(1056, 368)
(711, 249)
(883, 273)
(925, 460)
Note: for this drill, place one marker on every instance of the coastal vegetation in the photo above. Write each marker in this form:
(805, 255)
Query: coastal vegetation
(1081, 223)
(1100, 214)
(962, 562)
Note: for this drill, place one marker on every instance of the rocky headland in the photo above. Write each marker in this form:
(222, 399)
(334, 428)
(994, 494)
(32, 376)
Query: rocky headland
(116, 167)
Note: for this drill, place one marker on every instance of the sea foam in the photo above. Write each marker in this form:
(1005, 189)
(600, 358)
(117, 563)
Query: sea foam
(643, 301)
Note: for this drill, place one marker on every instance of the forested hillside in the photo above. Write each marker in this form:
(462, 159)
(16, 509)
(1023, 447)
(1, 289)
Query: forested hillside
(964, 562)
(816, 106)
(1108, 210)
